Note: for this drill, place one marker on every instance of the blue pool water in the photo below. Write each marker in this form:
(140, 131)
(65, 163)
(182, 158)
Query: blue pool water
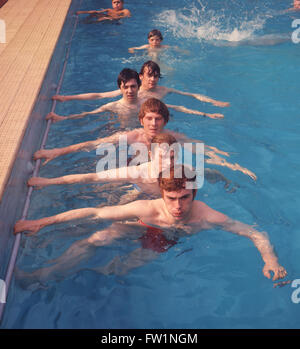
(213, 279)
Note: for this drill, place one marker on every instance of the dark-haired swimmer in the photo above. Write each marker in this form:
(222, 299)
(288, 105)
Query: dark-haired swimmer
(174, 215)
(149, 76)
(154, 42)
(116, 12)
(127, 108)
(155, 47)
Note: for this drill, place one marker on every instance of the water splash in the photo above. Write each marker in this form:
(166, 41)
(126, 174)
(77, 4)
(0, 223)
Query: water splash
(208, 25)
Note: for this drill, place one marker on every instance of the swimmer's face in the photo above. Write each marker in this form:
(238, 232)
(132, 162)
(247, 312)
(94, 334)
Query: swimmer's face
(149, 79)
(178, 203)
(117, 5)
(129, 90)
(153, 124)
(297, 3)
(154, 41)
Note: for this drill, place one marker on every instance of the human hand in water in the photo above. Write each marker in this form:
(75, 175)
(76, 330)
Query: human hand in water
(25, 225)
(54, 117)
(215, 116)
(60, 98)
(39, 182)
(48, 154)
(278, 270)
(221, 104)
(215, 150)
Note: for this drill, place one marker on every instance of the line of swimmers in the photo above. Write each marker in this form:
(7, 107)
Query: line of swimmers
(156, 223)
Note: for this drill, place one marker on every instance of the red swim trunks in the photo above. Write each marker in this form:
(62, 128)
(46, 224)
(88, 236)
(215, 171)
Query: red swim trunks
(155, 240)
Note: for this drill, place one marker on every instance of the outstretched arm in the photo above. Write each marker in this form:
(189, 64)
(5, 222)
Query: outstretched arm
(182, 139)
(262, 243)
(123, 174)
(50, 154)
(212, 154)
(70, 179)
(143, 47)
(55, 117)
(117, 213)
(200, 97)
(87, 96)
(114, 15)
(196, 112)
(260, 239)
(215, 159)
(124, 13)
(91, 12)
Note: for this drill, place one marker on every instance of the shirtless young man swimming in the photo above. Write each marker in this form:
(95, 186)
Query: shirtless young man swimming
(127, 108)
(153, 116)
(162, 222)
(116, 12)
(149, 76)
(163, 154)
(155, 39)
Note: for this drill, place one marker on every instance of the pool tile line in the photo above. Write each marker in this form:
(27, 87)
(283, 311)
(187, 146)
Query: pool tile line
(17, 241)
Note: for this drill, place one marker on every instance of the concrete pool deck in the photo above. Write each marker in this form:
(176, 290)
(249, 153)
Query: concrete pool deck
(32, 29)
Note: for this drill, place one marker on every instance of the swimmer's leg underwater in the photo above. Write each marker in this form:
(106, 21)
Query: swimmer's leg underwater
(79, 252)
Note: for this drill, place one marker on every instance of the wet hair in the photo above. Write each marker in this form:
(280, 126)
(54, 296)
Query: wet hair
(153, 69)
(155, 32)
(176, 177)
(126, 75)
(154, 105)
(164, 138)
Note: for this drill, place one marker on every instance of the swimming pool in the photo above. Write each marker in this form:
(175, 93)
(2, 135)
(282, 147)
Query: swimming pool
(213, 279)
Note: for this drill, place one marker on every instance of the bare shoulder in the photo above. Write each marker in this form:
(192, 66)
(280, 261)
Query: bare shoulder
(126, 12)
(163, 89)
(111, 106)
(150, 208)
(134, 135)
(208, 214)
(146, 209)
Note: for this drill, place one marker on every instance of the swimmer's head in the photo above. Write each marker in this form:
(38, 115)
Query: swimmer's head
(155, 32)
(117, 4)
(151, 69)
(126, 75)
(173, 185)
(175, 178)
(297, 4)
(164, 138)
(154, 105)
(164, 150)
